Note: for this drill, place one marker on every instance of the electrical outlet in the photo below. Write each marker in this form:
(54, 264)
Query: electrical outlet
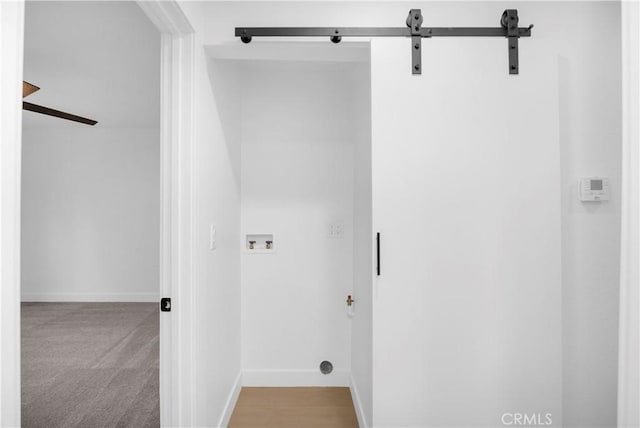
(336, 231)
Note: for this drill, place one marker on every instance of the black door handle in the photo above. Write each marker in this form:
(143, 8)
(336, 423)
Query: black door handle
(378, 253)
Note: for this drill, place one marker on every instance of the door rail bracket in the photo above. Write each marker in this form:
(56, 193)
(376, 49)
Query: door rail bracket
(415, 31)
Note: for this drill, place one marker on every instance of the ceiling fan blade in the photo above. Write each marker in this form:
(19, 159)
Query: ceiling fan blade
(28, 89)
(57, 113)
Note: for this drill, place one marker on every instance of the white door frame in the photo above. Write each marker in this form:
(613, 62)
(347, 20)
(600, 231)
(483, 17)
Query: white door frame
(11, 52)
(176, 130)
(175, 198)
(628, 356)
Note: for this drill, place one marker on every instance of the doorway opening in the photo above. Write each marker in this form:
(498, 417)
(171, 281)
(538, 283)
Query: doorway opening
(91, 217)
(296, 119)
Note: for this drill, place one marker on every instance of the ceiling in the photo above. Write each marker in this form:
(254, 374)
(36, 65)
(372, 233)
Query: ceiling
(95, 59)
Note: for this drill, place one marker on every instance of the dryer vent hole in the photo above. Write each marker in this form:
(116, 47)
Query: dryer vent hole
(326, 367)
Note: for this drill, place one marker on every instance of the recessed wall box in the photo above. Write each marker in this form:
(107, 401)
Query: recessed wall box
(256, 243)
(594, 189)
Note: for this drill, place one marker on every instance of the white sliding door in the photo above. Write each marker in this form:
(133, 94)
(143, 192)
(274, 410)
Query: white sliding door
(466, 196)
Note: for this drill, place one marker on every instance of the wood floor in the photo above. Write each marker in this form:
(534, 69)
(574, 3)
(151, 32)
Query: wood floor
(318, 407)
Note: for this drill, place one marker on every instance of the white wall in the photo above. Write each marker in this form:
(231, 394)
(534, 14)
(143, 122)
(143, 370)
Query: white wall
(588, 120)
(590, 141)
(90, 201)
(216, 274)
(90, 214)
(297, 178)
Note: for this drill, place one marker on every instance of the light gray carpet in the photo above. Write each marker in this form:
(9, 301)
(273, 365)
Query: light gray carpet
(90, 365)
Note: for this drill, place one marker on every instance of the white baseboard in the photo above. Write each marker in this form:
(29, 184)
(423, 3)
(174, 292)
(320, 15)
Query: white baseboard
(362, 420)
(231, 402)
(90, 297)
(294, 378)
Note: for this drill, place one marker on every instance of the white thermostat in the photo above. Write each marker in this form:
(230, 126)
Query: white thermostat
(594, 189)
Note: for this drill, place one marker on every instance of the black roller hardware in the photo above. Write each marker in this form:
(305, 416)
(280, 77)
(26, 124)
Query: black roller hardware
(414, 30)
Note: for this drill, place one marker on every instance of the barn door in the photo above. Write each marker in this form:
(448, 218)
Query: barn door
(466, 198)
